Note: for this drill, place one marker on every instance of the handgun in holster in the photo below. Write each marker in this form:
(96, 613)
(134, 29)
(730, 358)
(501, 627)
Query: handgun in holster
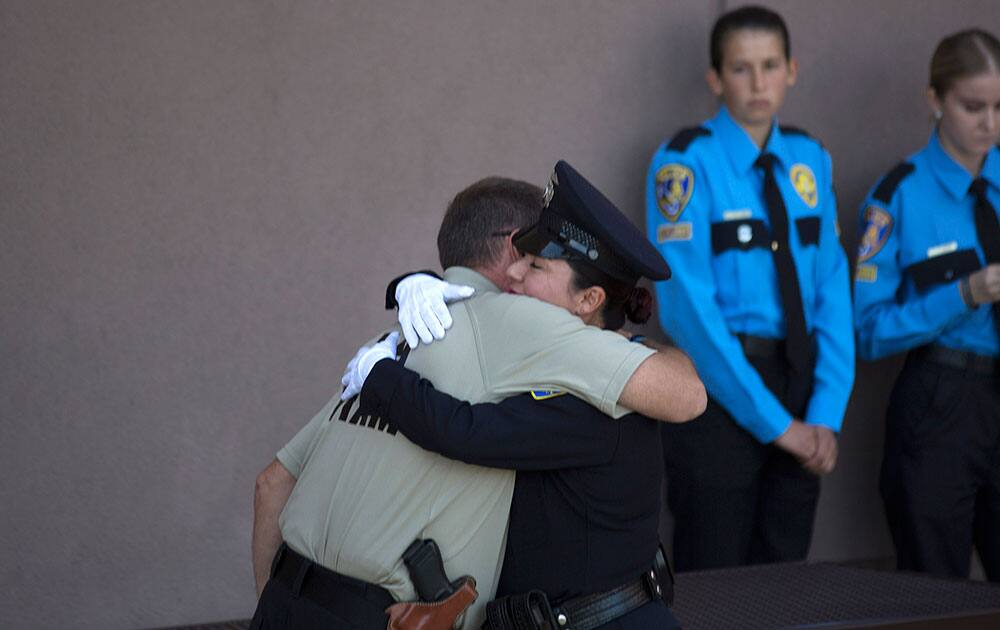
(442, 601)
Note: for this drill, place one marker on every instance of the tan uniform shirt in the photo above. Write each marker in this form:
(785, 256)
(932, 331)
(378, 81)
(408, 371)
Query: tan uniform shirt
(363, 493)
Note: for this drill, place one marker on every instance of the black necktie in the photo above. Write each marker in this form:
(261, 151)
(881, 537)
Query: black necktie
(988, 231)
(797, 347)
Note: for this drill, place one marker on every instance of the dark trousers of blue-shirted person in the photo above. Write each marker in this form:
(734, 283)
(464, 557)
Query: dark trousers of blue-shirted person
(737, 501)
(941, 468)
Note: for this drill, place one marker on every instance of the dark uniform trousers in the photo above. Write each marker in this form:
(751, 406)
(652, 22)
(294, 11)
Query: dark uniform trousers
(304, 595)
(736, 501)
(654, 614)
(941, 469)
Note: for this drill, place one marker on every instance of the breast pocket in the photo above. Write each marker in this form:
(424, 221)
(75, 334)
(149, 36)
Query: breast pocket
(944, 268)
(732, 242)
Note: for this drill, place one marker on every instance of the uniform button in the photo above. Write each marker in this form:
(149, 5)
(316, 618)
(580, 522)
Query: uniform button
(651, 574)
(658, 591)
(774, 246)
(561, 619)
(744, 233)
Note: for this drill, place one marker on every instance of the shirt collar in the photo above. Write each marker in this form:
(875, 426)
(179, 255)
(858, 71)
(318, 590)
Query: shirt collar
(949, 173)
(991, 168)
(476, 280)
(740, 147)
(777, 145)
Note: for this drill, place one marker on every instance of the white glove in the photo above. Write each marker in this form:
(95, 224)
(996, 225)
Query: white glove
(423, 312)
(361, 365)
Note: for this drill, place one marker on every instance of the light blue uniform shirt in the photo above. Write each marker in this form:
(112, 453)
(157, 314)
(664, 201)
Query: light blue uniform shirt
(922, 228)
(711, 184)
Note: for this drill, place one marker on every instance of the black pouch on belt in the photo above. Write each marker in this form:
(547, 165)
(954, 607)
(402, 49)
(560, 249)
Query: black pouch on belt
(664, 576)
(525, 611)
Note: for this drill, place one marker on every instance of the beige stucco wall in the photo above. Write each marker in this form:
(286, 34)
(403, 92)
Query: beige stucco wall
(201, 202)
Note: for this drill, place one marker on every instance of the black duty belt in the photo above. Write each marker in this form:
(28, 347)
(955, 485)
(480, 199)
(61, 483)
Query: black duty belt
(969, 361)
(532, 611)
(798, 390)
(323, 586)
(591, 611)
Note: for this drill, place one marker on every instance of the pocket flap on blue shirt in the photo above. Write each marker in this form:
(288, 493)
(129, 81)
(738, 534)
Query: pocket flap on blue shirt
(808, 228)
(944, 268)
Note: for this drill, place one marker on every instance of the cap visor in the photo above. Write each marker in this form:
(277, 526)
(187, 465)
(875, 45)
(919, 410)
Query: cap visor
(532, 241)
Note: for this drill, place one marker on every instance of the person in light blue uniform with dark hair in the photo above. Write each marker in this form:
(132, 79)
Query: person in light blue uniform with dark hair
(928, 281)
(744, 211)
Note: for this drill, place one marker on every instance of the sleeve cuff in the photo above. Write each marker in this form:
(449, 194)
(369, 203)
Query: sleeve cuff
(376, 393)
(291, 464)
(609, 404)
(772, 425)
(390, 291)
(826, 409)
(766, 420)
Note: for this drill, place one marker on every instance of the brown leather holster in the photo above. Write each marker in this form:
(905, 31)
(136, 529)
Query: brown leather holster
(440, 615)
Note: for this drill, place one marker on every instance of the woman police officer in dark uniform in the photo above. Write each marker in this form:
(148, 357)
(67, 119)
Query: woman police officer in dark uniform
(585, 512)
(928, 282)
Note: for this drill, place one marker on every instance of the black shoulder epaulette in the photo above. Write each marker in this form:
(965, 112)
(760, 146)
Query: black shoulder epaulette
(887, 187)
(789, 130)
(684, 137)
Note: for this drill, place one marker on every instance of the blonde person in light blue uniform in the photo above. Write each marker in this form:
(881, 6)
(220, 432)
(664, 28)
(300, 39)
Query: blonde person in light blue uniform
(927, 282)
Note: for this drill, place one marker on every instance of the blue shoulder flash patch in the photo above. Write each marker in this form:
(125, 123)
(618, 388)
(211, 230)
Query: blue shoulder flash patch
(545, 394)
(674, 185)
(875, 231)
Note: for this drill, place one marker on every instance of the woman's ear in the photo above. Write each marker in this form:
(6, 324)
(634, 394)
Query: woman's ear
(934, 102)
(589, 303)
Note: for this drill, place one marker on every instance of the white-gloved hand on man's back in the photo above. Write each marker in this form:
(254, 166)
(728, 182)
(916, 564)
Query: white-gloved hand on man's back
(423, 306)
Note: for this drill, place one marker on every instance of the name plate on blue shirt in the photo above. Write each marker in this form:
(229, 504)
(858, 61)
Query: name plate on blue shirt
(736, 215)
(945, 248)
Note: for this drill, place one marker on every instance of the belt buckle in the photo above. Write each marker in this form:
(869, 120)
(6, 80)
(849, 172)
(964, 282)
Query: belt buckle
(543, 615)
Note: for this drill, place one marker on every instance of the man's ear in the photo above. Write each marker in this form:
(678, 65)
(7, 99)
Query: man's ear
(510, 253)
(509, 243)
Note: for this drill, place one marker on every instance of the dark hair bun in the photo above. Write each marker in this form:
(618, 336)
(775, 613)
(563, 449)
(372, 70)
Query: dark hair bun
(639, 305)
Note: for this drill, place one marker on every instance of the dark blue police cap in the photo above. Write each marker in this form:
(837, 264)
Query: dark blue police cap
(580, 223)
